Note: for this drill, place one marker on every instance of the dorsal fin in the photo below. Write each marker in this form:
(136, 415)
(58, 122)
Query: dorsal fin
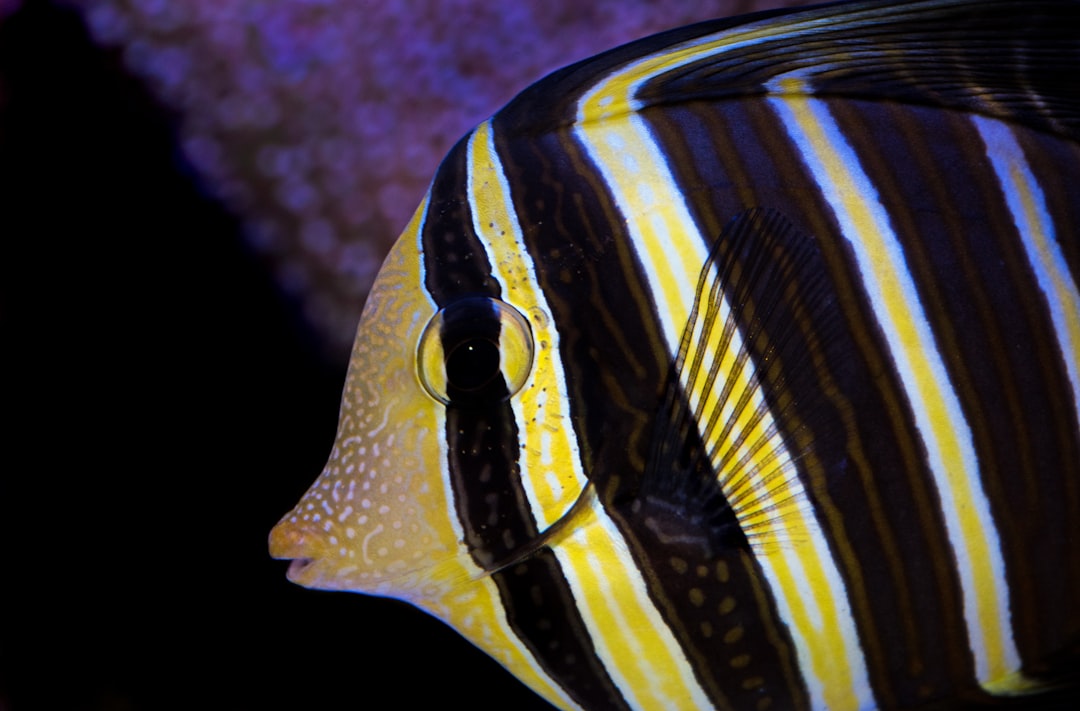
(1010, 59)
(720, 471)
(1015, 60)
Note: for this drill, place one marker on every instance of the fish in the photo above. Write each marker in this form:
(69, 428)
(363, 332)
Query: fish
(738, 367)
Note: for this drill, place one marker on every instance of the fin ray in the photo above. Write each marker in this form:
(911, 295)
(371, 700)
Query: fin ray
(718, 453)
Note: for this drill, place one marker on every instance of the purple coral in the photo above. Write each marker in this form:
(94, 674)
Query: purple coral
(321, 122)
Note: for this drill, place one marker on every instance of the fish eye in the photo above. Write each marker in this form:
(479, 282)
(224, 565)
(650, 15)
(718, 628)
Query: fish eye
(475, 350)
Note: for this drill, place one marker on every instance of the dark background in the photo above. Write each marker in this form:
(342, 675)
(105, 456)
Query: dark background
(163, 405)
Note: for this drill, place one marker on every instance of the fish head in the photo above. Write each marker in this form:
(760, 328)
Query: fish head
(444, 395)
(372, 522)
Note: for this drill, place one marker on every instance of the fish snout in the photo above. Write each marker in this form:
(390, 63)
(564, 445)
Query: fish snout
(289, 541)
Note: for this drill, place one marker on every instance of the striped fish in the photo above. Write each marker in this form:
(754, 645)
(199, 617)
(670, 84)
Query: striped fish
(739, 367)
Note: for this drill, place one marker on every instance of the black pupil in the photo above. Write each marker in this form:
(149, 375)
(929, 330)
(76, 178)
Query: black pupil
(473, 364)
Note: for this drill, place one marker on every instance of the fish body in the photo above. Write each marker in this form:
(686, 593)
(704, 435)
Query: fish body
(739, 367)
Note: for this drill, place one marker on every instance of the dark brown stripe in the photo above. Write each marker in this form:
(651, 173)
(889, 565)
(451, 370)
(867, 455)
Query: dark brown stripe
(483, 444)
(611, 347)
(543, 614)
(482, 440)
(616, 365)
(985, 336)
(455, 261)
(868, 472)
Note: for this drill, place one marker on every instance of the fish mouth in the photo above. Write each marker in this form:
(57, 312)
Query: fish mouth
(297, 568)
(290, 542)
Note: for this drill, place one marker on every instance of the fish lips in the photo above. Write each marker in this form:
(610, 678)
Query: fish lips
(288, 542)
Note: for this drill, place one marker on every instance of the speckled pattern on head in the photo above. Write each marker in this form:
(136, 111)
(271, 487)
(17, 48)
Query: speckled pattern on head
(373, 490)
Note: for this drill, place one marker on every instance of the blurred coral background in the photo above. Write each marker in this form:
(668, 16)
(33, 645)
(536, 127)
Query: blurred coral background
(320, 123)
(194, 200)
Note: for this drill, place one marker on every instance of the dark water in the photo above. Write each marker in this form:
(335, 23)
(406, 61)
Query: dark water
(162, 406)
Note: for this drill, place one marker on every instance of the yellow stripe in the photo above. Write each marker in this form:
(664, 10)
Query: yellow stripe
(551, 466)
(631, 638)
(937, 410)
(614, 95)
(636, 646)
(476, 612)
(435, 570)
(810, 594)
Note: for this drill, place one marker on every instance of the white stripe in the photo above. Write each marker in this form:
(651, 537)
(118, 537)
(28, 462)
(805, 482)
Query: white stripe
(659, 223)
(1036, 229)
(881, 262)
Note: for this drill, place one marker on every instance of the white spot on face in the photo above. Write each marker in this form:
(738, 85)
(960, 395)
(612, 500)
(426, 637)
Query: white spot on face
(365, 503)
(345, 514)
(367, 539)
(384, 509)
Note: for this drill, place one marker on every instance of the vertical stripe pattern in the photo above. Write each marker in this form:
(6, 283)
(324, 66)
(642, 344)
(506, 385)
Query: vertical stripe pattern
(673, 251)
(912, 348)
(802, 423)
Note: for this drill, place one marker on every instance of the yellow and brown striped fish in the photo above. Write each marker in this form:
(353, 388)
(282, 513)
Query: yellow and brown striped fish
(739, 367)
